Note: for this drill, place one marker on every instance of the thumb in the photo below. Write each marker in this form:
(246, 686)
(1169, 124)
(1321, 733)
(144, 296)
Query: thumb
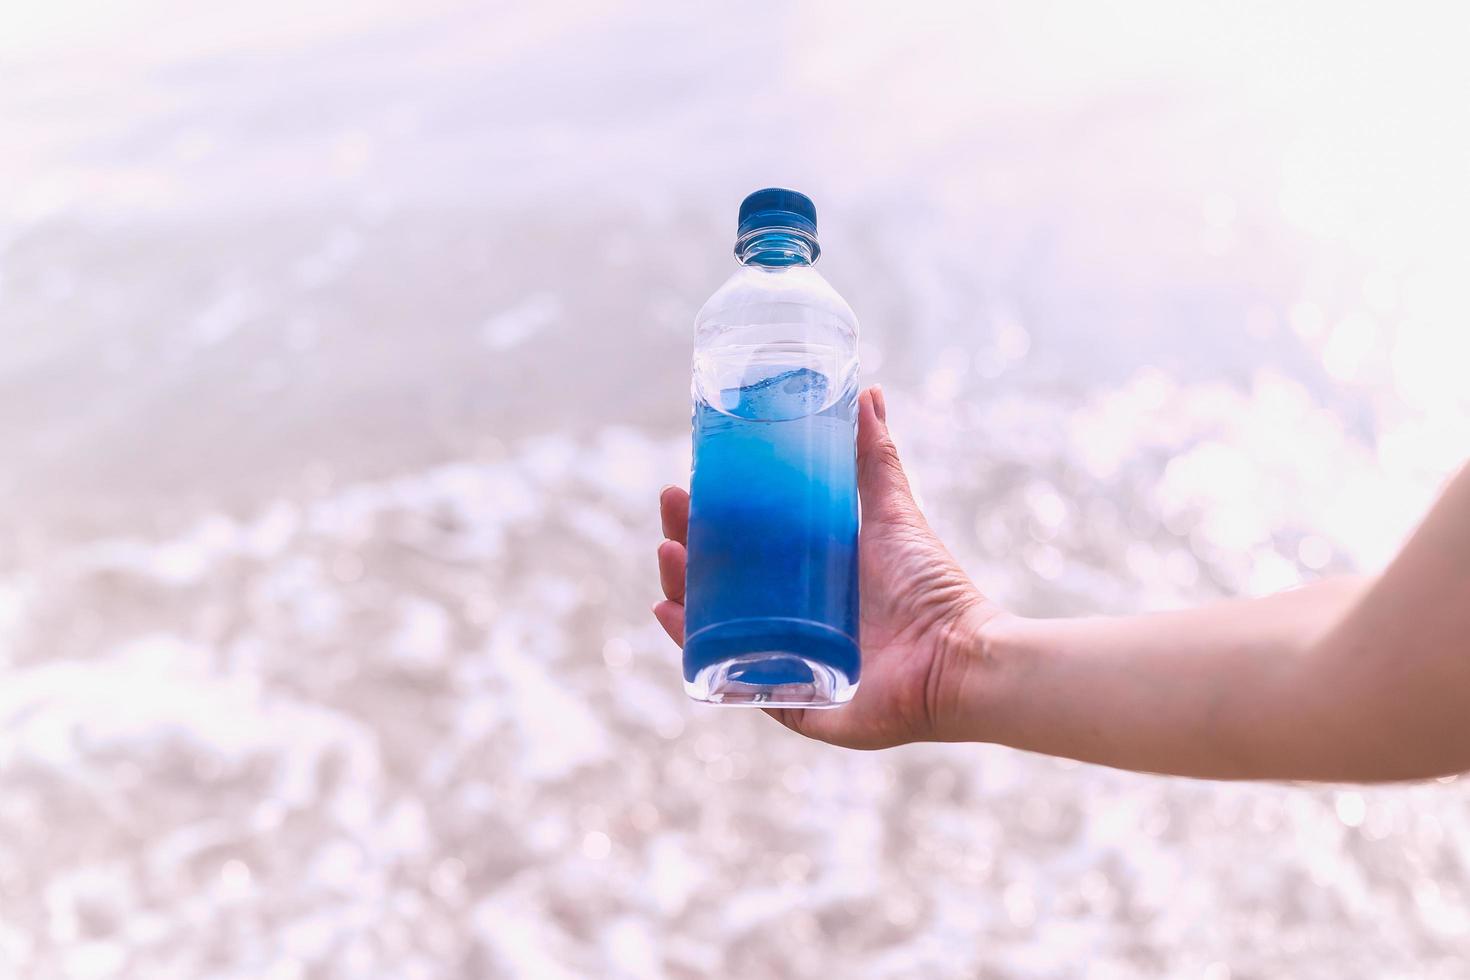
(882, 485)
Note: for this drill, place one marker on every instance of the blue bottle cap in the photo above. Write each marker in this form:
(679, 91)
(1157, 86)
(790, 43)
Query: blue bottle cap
(777, 207)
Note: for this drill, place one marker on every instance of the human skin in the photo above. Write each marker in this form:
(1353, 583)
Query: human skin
(1353, 679)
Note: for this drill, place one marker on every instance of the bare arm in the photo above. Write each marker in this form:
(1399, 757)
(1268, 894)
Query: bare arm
(1359, 680)
(1352, 679)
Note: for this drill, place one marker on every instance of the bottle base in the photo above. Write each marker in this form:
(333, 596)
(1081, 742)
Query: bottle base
(738, 683)
(751, 663)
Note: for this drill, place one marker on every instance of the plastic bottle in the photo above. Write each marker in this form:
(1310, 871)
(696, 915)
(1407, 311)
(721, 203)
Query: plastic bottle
(771, 607)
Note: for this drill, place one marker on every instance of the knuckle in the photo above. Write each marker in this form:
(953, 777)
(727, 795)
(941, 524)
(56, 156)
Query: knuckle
(883, 457)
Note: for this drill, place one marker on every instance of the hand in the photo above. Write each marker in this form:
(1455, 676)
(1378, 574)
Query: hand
(920, 613)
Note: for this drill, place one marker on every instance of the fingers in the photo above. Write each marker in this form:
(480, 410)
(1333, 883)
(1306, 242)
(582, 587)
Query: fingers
(882, 486)
(671, 562)
(670, 616)
(673, 508)
(790, 717)
(880, 403)
(823, 726)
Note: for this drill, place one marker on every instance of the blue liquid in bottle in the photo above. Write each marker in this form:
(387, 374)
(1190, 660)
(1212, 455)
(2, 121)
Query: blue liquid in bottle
(771, 610)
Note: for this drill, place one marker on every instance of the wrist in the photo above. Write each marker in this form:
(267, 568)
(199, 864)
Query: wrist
(985, 653)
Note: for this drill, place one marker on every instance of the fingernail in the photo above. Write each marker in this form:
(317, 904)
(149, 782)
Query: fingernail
(880, 408)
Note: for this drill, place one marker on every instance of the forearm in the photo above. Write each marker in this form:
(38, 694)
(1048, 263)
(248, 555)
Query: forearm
(1386, 694)
(1205, 692)
(1346, 680)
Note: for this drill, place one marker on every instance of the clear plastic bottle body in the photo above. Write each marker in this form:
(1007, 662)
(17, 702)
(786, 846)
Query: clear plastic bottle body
(771, 608)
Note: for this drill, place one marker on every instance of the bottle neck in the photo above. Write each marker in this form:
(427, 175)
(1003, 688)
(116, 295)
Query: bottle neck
(777, 248)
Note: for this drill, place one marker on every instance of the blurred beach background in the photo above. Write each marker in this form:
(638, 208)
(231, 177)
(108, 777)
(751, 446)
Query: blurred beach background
(344, 348)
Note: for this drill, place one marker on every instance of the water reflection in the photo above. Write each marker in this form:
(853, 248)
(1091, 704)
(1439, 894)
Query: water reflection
(348, 353)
